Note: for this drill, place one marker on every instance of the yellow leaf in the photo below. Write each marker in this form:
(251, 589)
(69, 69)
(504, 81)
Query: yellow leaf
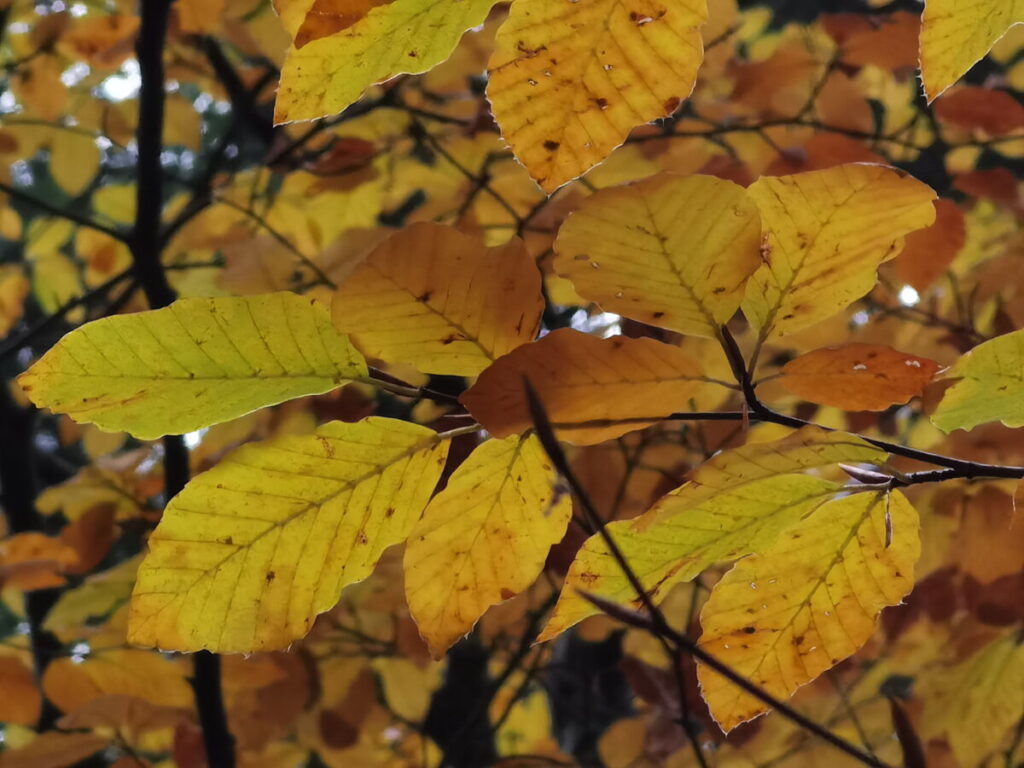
(192, 364)
(858, 377)
(734, 504)
(483, 539)
(200, 16)
(94, 598)
(670, 251)
(826, 232)
(568, 81)
(72, 683)
(620, 384)
(13, 291)
(441, 300)
(977, 701)
(74, 160)
(955, 34)
(990, 386)
(326, 75)
(784, 617)
(251, 551)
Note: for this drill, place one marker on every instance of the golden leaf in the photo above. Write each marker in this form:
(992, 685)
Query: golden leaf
(251, 551)
(192, 364)
(989, 387)
(670, 251)
(826, 232)
(569, 80)
(441, 300)
(783, 617)
(483, 539)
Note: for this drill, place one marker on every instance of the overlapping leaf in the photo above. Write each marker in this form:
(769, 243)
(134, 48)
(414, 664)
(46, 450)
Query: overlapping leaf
(484, 538)
(670, 251)
(593, 389)
(325, 75)
(956, 33)
(252, 550)
(825, 233)
(569, 80)
(192, 364)
(858, 377)
(441, 300)
(989, 387)
(734, 504)
(783, 617)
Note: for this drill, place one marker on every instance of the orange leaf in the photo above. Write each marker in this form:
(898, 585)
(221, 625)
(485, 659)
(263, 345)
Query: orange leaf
(929, 251)
(858, 377)
(21, 700)
(616, 383)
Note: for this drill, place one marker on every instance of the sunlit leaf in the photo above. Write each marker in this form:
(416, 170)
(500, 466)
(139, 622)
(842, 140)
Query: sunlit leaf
(441, 300)
(670, 251)
(955, 34)
(192, 364)
(405, 36)
(569, 80)
(826, 232)
(734, 504)
(989, 386)
(251, 551)
(783, 617)
(484, 538)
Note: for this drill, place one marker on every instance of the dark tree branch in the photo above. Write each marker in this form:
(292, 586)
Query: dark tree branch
(146, 245)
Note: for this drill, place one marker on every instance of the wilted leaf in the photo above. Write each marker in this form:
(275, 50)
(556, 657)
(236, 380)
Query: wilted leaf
(783, 617)
(734, 504)
(858, 377)
(989, 387)
(826, 232)
(484, 538)
(405, 36)
(670, 251)
(568, 81)
(267, 539)
(621, 383)
(192, 364)
(441, 300)
(955, 34)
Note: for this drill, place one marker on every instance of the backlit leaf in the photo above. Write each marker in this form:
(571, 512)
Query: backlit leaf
(989, 387)
(569, 80)
(251, 551)
(825, 233)
(858, 377)
(734, 504)
(192, 364)
(405, 36)
(784, 617)
(441, 300)
(955, 34)
(621, 383)
(483, 539)
(670, 251)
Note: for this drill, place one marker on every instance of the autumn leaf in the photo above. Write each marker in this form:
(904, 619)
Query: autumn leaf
(621, 384)
(928, 252)
(484, 538)
(989, 386)
(441, 300)
(977, 701)
(858, 377)
(192, 364)
(783, 617)
(267, 539)
(670, 251)
(567, 82)
(326, 75)
(735, 504)
(22, 700)
(955, 34)
(53, 749)
(826, 232)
